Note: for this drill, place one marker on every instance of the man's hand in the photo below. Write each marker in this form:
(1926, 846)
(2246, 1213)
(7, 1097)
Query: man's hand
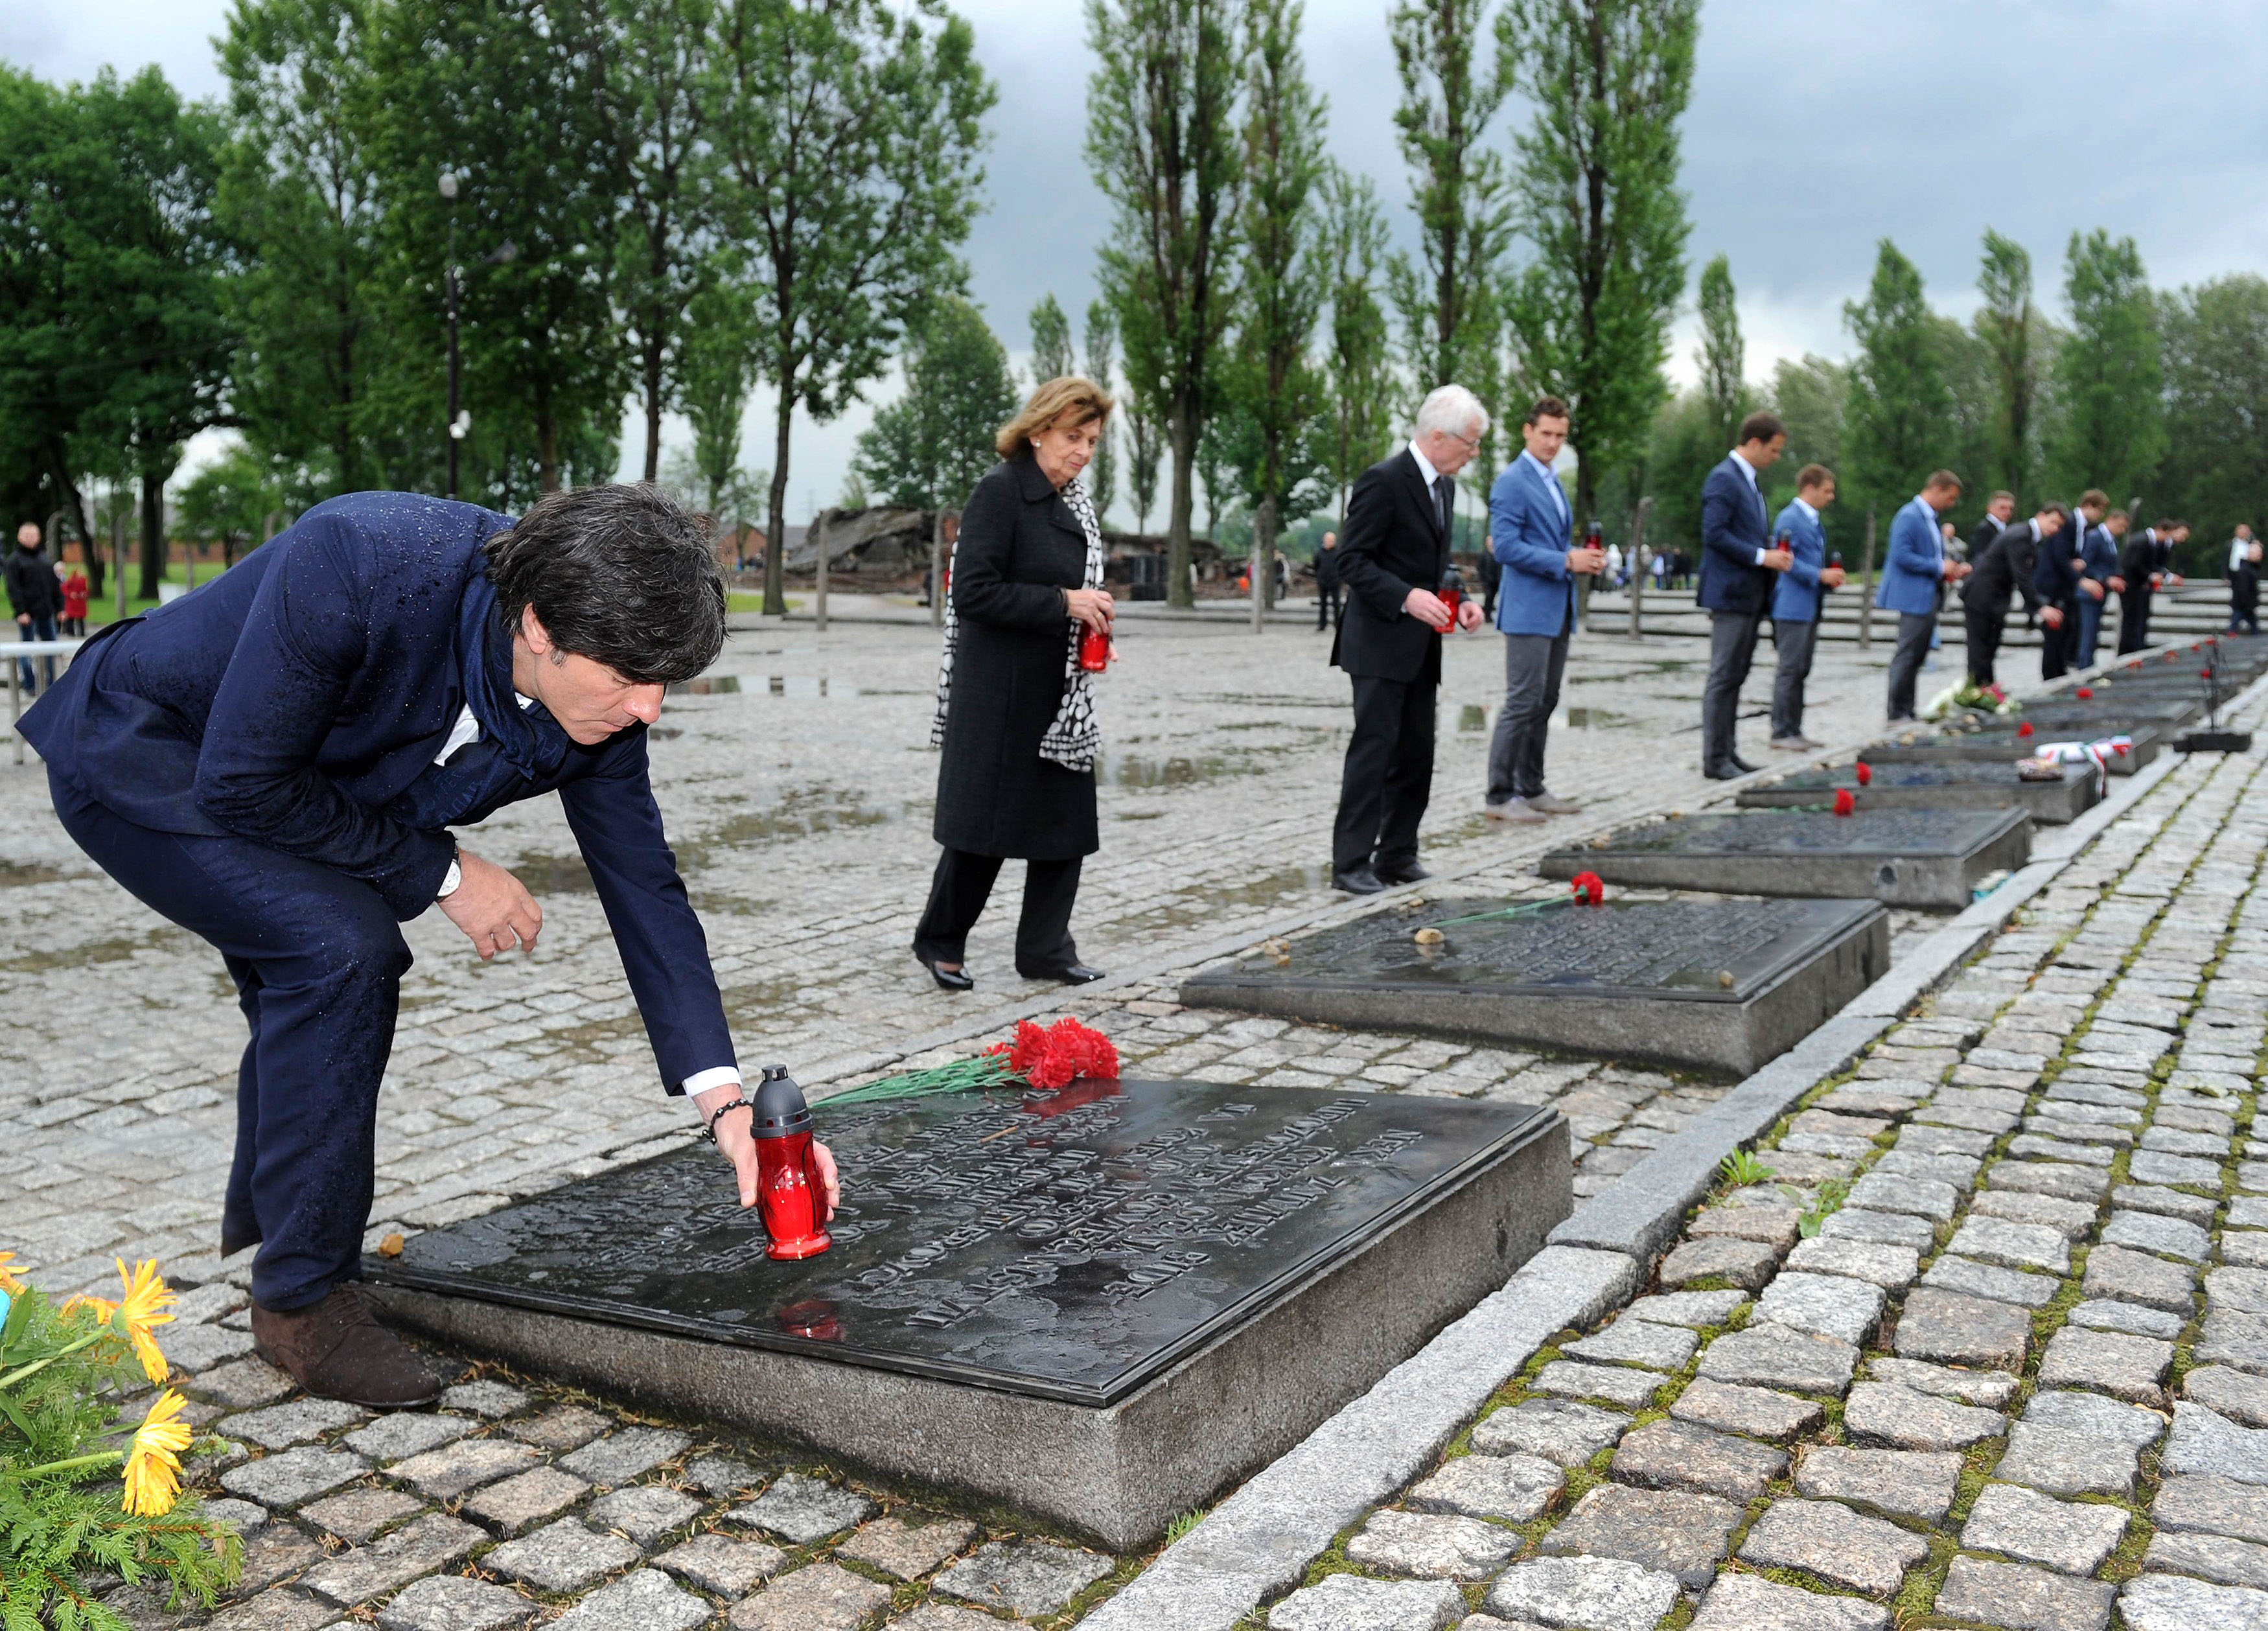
(2118, 585)
(1955, 570)
(1832, 577)
(2176, 579)
(2089, 586)
(492, 906)
(1588, 563)
(736, 1139)
(1469, 614)
(1426, 608)
(24, 618)
(2051, 617)
(1779, 559)
(2157, 580)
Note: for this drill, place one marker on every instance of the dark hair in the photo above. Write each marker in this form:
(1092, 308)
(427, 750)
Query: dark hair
(1547, 407)
(2170, 525)
(1759, 426)
(2065, 518)
(2095, 496)
(1813, 476)
(618, 573)
(1942, 478)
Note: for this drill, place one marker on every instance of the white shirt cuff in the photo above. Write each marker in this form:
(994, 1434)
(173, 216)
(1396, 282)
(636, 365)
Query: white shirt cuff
(722, 1076)
(1760, 557)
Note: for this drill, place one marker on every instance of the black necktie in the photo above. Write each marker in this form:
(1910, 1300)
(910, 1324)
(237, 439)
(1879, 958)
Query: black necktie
(1441, 502)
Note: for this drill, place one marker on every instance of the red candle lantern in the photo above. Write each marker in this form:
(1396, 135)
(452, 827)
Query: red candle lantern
(1094, 650)
(1846, 803)
(1452, 591)
(790, 1191)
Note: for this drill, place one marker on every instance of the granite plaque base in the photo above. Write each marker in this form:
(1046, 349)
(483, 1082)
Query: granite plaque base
(1900, 858)
(1643, 979)
(2004, 746)
(2108, 711)
(1101, 1305)
(1982, 786)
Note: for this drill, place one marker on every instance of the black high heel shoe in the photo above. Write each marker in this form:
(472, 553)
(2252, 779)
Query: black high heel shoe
(948, 978)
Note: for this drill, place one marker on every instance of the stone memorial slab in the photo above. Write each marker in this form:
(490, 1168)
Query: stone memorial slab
(1900, 858)
(2003, 745)
(1957, 786)
(1100, 1304)
(2118, 708)
(1635, 980)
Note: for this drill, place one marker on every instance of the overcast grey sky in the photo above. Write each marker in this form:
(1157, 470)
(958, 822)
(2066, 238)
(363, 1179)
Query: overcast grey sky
(1815, 130)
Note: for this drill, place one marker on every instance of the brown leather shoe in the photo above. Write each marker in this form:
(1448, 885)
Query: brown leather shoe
(336, 1350)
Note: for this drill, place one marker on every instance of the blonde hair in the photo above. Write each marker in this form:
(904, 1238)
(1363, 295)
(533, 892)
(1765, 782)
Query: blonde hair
(1071, 394)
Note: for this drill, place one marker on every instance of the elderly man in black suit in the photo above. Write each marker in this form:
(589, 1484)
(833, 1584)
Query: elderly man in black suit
(1392, 561)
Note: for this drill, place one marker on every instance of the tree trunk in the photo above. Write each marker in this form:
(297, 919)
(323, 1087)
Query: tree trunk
(937, 572)
(153, 535)
(547, 443)
(1866, 588)
(819, 578)
(775, 538)
(1181, 506)
(1263, 560)
(652, 361)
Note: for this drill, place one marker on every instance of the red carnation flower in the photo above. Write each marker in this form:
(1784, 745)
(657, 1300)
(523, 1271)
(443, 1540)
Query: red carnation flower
(1590, 889)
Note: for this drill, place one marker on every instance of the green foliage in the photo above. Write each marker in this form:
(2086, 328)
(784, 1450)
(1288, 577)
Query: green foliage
(1722, 356)
(1446, 297)
(2110, 427)
(1896, 409)
(928, 448)
(2011, 331)
(1743, 1168)
(61, 1515)
(1597, 197)
(1972, 413)
(231, 500)
(849, 131)
(715, 378)
(1101, 363)
(1357, 366)
(2217, 382)
(1826, 1200)
(1683, 448)
(1275, 395)
(1161, 139)
(1051, 354)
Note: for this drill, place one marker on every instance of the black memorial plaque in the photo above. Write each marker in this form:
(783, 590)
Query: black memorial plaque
(2051, 802)
(1070, 1246)
(1102, 1305)
(1722, 986)
(2104, 714)
(2002, 745)
(1900, 858)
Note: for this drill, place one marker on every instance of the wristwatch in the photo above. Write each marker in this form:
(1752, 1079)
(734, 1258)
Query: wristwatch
(451, 878)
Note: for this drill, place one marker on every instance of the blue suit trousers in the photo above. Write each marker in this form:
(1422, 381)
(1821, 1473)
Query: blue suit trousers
(2090, 629)
(317, 961)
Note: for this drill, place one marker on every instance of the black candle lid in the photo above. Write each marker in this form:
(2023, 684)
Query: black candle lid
(781, 1111)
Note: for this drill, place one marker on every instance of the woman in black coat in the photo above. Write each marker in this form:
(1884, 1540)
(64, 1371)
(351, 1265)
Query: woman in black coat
(1015, 711)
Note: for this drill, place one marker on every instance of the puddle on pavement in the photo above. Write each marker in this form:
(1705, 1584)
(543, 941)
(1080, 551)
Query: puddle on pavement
(17, 874)
(766, 685)
(1592, 719)
(798, 814)
(553, 875)
(1133, 771)
(1195, 907)
(1472, 716)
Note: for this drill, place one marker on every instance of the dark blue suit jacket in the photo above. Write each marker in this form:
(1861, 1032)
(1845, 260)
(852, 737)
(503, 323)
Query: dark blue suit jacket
(2053, 578)
(1796, 597)
(1732, 532)
(290, 699)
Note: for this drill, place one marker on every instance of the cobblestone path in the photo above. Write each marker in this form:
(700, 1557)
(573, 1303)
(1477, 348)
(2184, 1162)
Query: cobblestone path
(1984, 1347)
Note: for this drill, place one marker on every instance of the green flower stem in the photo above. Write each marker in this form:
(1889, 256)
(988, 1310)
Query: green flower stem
(72, 1464)
(14, 1376)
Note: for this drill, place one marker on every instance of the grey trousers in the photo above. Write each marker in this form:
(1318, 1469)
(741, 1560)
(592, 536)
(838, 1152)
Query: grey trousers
(1914, 630)
(1533, 666)
(1732, 647)
(1795, 643)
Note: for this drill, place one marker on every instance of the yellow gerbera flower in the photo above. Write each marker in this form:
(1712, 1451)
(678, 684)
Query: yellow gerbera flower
(8, 1281)
(154, 1466)
(147, 1304)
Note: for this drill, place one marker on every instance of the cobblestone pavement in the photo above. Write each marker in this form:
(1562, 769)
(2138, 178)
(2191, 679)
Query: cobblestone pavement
(799, 811)
(1984, 1345)
(797, 791)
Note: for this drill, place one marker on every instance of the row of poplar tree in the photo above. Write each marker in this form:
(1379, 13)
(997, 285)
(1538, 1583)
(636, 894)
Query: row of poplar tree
(672, 201)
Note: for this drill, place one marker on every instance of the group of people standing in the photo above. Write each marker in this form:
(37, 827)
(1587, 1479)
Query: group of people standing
(2065, 563)
(47, 597)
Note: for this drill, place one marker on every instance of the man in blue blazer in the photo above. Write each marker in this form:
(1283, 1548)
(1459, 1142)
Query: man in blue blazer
(1796, 601)
(1530, 524)
(275, 762)
(2060, 578)
(1914, 571)
(2098, 575)
(1738, 564)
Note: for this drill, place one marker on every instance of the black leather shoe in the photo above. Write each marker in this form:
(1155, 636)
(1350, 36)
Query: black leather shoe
(1074, 974)
(1723, 773)
(1742, 766)
(1357, 881)
(949, 979)
(1408, 872)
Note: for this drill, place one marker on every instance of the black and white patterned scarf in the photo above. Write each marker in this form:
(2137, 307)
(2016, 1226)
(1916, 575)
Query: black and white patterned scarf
(1072, 738)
